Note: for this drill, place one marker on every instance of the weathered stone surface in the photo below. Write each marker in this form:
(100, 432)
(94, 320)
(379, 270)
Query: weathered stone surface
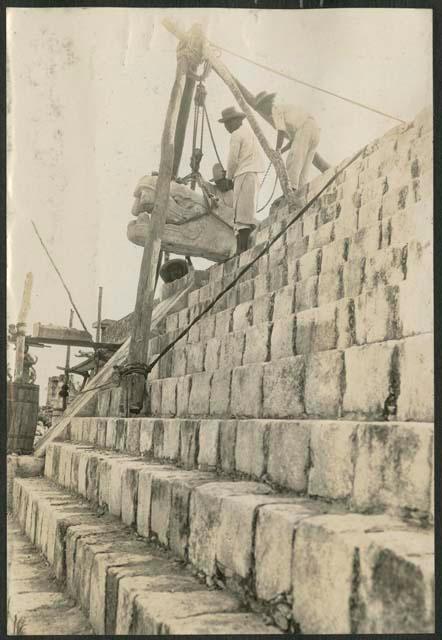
(324, 559)
(222, 623)
(179, 360)
(275, 533)
(262, 308)
(220, 393)
(257, 344)
(168, 397)
(129, 492)
(397, 583)
(324, 383)
(234, 542)
(261, 285)
(367, 373)
(208, 444)
(416, 397)
(161, 503)
(416, 306)
(133, 436)
(377, 315)
(204, 517)
(242, 316)
(223, 323)
(158, 611)
(189, 443)
(365, 242)
(309, 265)
(171, 439)
(352, 277)
(333, 451)
(182, 395)
(385, 267)
(393, 466)
(146, 437)
(227, 444)
(283, 388)
(284, 302)
(330, 286)
(283, 338)
(288, 457)
(207, 328)
(195, 357)
(200, 394)
(247, 391)
(306, 295)
(334, 254)
(211, 359)
(251, 447)
(155, 397)
(316, 329)
(231, 350)
(120, 434)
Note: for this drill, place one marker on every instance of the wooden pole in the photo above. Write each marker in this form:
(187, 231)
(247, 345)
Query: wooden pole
(67, 364)
(20, 345)
(183, 118)
(100, 302)
(135, 373)
(225, 75)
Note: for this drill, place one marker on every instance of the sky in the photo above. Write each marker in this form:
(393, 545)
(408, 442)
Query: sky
(87, 93)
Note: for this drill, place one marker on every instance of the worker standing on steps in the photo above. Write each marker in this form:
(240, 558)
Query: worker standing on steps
(291, 122)
(244, 163)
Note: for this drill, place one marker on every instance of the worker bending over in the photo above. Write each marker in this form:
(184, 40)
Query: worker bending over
(244, 163)
(293, 123)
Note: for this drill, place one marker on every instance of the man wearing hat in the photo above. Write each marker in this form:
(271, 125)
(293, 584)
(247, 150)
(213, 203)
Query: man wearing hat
(244, 163)
(293, 123)
(219, 186)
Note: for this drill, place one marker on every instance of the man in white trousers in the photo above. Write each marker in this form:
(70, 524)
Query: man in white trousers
(244, 164)
(294, 124)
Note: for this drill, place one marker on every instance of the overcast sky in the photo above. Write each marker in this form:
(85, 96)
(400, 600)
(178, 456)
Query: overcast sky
(87, 94)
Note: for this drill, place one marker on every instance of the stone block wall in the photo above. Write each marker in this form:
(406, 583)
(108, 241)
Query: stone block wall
(336, 321)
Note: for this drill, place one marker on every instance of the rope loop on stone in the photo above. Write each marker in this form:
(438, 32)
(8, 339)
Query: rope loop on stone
(138, 367)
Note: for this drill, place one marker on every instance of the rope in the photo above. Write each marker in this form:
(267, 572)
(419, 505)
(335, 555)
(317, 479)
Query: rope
(271, 195)
(248, 266)
(311, 86)
(61, 277)
(209, 126)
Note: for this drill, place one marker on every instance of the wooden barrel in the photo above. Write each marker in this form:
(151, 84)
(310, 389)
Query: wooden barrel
(22, 416)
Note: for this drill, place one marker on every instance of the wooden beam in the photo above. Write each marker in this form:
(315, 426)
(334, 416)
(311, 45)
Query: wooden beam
(67, 363)
(134, 376)
(72, 342)
(222, 71)
(183, 118)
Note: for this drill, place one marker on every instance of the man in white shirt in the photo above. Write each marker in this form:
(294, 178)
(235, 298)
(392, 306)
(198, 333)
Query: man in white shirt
(295, 124)
(299, 127)
(244, 163)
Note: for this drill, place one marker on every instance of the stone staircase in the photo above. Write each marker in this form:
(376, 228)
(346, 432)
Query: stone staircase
(284, 481)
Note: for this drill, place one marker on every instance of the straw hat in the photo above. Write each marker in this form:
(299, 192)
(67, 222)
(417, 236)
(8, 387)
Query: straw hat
(230, 113)
(263, 96)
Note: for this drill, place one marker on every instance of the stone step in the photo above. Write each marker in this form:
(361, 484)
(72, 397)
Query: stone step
(371, 466)
(36, 604)
(369, 273)
(122, 583)
(283, 556)
(301, 382)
